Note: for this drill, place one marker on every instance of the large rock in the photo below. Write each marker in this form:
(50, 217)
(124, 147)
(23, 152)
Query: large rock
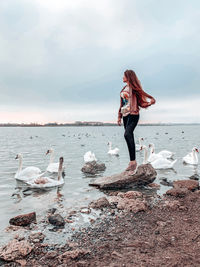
(93, 167)
(15, 250)
(24, 219)
(188, 184)
(131, 201)
(145, 174)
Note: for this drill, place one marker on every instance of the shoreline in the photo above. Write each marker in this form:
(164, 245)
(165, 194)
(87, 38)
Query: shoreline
(163, 232)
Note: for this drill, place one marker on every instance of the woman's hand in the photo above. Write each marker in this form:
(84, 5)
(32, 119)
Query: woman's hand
(119, 121)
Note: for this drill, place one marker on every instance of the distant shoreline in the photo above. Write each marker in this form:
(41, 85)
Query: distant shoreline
(94, 124)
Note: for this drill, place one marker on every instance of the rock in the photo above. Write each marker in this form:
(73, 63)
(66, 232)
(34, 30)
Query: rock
(56, 220)
(194, 177)
(22, 262)
(145, 174)
(130, 201)
(93, 167)
(85, 210)
(36, 237)
(72, 255)
(154, 185)
(188, 184)
(177, 192)
(99, 203)
(166, 182)
(130, 194)
(173, 205)
(24, 219)
(15, 250)
(132, 205)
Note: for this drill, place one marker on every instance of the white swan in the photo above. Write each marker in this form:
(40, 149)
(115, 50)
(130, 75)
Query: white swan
(192, 157)
(114, 151)
(138, 147)
(153, 156)
(53, 166)
(89, 156)
(159, 163)
(46, 182)
(27, 173)
(164, 153)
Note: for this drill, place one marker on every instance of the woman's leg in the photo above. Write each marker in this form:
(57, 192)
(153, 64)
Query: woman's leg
(132, 121)
(125, 119)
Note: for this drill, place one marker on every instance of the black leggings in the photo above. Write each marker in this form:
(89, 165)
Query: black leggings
(130, 121)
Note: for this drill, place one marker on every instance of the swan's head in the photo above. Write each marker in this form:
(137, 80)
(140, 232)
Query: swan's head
(141, 139)
(18, 156)
(49, 151)
(143, 147)
(195, 149)
(61, 160)
(109, 143)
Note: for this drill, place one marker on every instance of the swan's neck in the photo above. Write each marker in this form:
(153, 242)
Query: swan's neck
(145, 156)
(152, 150)
(140, 141)
(51, 157)
(110, 146)
(59, 172)
(20, 164)
(194, 155)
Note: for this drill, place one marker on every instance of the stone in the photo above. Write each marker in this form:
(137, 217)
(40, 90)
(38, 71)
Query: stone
(24, 219)
(145, 174)
(15, 250)
(177, 192)
(72, 255)
(56, 220)
(85, 210)
(131, 201)
(36, 237)
(99, 203)
(93, 167)
(188, 184)
(154, 185)
(173, 204)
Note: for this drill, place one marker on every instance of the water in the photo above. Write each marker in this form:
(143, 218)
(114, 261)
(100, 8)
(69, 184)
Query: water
(72, 143)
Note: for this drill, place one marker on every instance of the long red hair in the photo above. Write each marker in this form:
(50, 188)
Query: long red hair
(136, 86)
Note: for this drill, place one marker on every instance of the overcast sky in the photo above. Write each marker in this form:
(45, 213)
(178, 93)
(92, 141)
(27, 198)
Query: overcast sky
(64, 60)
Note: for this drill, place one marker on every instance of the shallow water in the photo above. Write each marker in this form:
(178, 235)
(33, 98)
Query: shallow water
(72, 143)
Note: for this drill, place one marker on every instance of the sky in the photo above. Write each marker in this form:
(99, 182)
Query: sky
(64, 60)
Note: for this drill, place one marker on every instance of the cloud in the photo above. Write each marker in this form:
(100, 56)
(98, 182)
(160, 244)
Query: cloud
(56, 53)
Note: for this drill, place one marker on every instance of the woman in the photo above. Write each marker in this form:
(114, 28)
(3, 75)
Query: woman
(132, 97)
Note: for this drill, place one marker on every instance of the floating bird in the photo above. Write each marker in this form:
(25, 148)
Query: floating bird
(46, 182)
(89, 157)
(191, 158)
(27, 173)
(114, 151)
(53, 166)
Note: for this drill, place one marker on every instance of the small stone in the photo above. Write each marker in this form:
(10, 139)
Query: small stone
(24, 219)
(99, 203)
(177, 192)
(154, 185)
(56, 220)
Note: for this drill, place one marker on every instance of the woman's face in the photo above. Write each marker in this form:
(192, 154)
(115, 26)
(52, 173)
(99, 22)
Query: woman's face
(124, 79)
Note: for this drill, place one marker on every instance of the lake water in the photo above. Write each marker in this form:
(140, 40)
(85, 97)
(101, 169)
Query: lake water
(72, 143)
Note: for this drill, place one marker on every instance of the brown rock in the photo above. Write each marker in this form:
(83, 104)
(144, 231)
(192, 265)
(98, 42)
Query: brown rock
(72, 255)
(133, 195)
(177, 192)
(24, 219)
(132, 205)
(173, 205)
(36, 237)
(154, 185)
(188, 184)
(99, 203)
(145, 174)
(93, 167)
(15, 250)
